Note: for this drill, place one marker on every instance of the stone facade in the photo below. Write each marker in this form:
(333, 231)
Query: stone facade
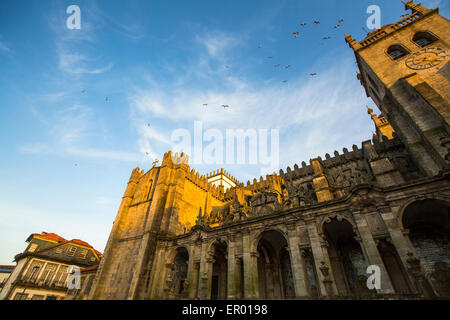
(312, 230)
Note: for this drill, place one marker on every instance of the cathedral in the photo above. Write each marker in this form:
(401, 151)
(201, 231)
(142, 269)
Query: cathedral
(314, 230)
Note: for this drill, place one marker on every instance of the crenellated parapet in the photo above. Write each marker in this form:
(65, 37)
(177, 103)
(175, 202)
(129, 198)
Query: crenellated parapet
(224, 173)
(418, 12)
(171, 158)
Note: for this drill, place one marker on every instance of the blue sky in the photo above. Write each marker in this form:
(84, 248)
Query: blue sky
(66, 156)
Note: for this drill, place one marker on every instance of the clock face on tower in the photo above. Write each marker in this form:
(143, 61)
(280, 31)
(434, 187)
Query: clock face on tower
(426, 58)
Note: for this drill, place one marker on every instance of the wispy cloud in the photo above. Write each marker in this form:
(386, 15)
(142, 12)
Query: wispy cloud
(70, 128)
(4, 48)
(217, 42)
(312, 114)
(77, 63)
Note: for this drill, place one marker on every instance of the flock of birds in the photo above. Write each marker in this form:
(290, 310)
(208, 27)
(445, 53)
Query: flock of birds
(296, 35)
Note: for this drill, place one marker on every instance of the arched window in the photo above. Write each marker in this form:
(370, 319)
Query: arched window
(397, 51)
(424, 38)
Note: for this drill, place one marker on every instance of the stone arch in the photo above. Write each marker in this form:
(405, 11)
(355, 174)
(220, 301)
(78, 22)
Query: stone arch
(339, 217)
(218, 252)
(255, 241)
(177, 264)
(428, 224)
(405, 205)
(274, 265)
(170, 256)
(397, 51)
(424, 38)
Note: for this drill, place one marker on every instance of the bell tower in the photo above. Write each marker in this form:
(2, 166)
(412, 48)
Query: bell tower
(404, 67)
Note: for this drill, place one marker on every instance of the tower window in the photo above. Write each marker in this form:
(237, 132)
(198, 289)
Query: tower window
(422, 39)
(397, 51)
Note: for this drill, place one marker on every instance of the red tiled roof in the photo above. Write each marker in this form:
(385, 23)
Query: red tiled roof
(50, 236)
(61, 240)
(72, 241)
(7, 267)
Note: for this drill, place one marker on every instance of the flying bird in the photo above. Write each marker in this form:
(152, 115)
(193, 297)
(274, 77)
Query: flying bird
(284, 81)
(316, 22)
(106, 99)
(303, 24)
(336, 26)
(83, 91)
(227, 67)
(225, 106)
(147, 153)
(148, 124)
(277, 65)
(340, 20)
(270, 57)
(296, 33)
(259, 45)
(288, 66)
(326, 38)
(313, 74)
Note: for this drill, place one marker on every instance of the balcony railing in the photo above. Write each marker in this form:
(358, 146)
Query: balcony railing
(384, 32)
(58, 285)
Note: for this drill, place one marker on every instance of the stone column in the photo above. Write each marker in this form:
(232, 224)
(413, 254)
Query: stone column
(371, 252)
(320, 253)
(167, 280)
(251, 290)
(423, 285)
(401, 242)
(298, 271)
(205, 272)
(191, 273)
(195, 294)
(234, 274)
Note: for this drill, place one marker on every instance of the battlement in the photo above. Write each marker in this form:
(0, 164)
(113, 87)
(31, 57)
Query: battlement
(224, 173)
(201, 181)
(174, 158)
(272, 181)
(136, 174)
(328, 162)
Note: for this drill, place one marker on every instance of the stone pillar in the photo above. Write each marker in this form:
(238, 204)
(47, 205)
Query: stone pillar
(167, 280)
(205, 272)
(320, 253)
(251, 290)
(327, 282)
(401, 242)
(234, 272)
(422, 283)
(192, 273)
(298, 271)
(371, 252)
